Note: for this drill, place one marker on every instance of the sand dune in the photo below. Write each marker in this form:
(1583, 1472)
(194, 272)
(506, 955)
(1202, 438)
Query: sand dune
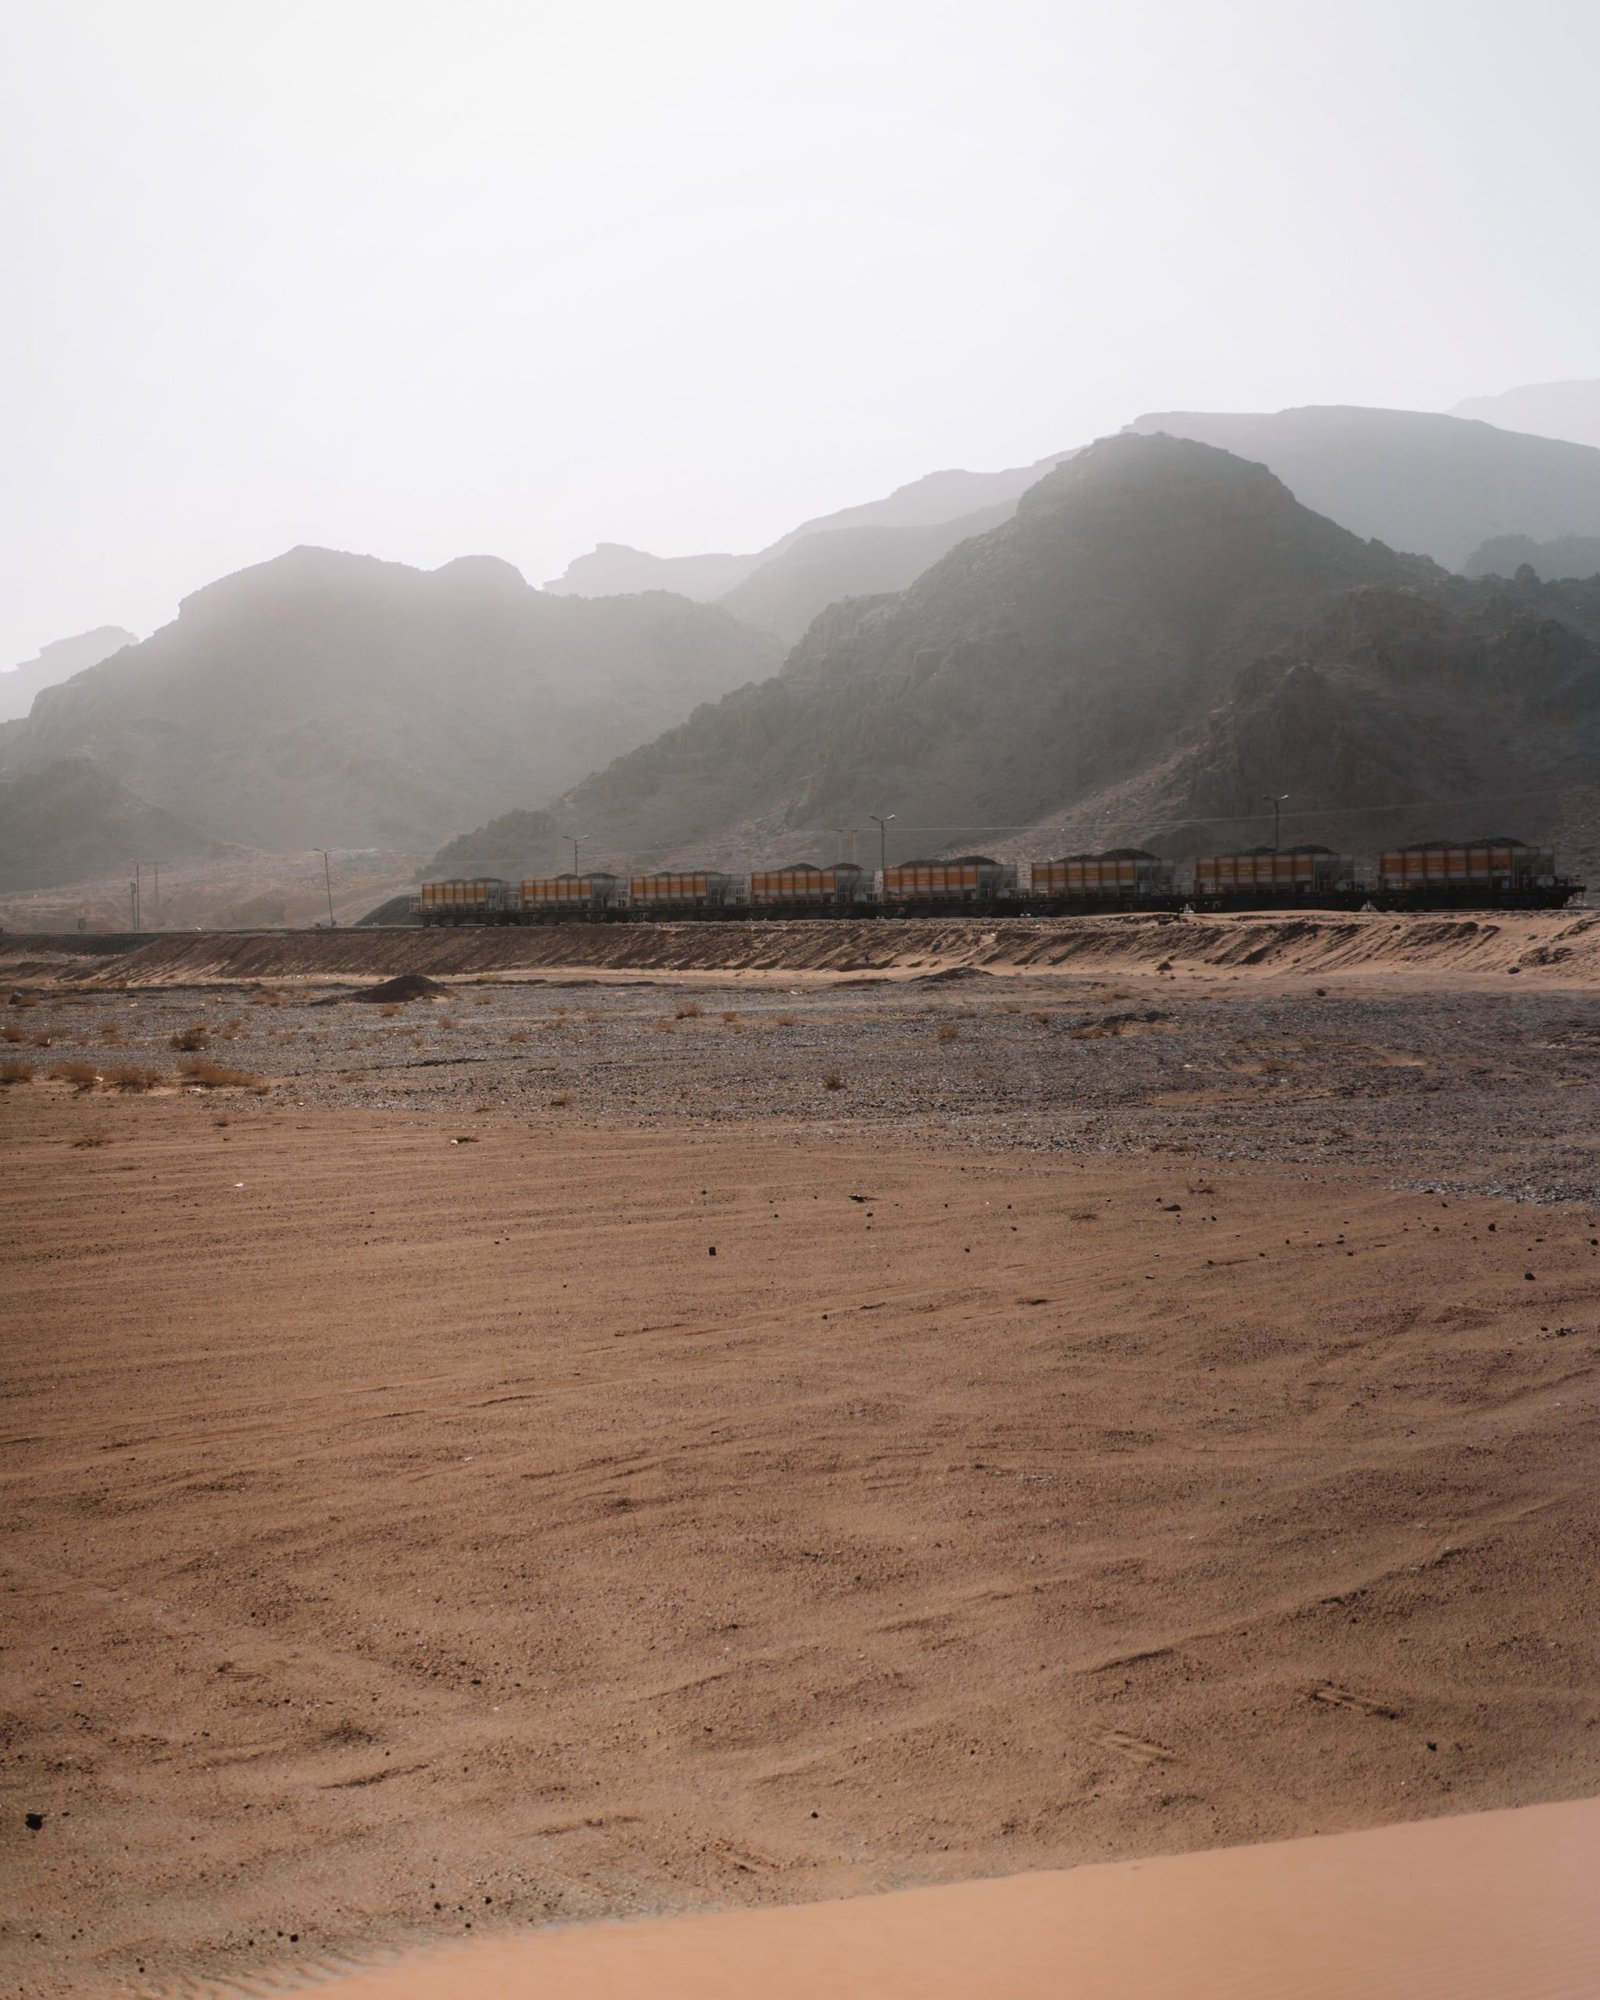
(1477, 1908)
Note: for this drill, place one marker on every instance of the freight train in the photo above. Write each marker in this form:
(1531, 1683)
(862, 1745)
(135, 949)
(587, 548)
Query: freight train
(1493, 874)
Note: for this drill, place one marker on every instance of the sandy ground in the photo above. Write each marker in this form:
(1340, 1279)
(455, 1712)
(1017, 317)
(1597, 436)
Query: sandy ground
(405, 1535)
(1474, 1908)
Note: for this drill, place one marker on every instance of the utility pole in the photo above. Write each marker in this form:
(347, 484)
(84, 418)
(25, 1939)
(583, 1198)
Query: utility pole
(883, 820)
(327, 883)
(1276, 803)
(574, 839)
(133, 906)
(138, 898)
(158, 895)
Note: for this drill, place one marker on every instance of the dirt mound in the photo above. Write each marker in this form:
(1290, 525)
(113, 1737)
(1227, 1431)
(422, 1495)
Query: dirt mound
(408, 986)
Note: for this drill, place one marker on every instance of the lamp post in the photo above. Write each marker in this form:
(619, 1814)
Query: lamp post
(883, 820)
(327, 883)
(1275, 800)
(574, 839)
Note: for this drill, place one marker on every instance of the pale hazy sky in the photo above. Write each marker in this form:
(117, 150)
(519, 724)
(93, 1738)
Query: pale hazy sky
(425, 277)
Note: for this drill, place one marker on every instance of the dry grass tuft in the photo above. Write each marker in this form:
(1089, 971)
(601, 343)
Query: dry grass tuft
(833, 1081)
(1042, 1018)
(24, 1000)
(97, 1135)
(519, 1035)
(13, 1071)
(447, 1021)
(132, 1076)
(689, 1010)
(196, 1036)
(44, 1039)
(666, 1025)
(389, 1009)
(785, 1021)
(268, 996)
(83, 1074)
(1084, 1215)
(213, 1076)
(560, 1101)
(947, 1031)
(12, 1033)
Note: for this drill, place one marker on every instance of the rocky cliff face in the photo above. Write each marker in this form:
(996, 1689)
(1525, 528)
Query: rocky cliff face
(325, 699)
(1062, 652)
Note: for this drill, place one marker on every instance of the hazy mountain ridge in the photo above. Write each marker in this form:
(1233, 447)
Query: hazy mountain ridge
(1566, 555)
(55, 663)
(70, 821)
(332, 699)
(1059, 653)
(1569, 410)
(877, 546)
(1434, 484)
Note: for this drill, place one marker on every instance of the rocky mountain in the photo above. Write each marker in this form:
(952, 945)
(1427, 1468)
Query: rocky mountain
(324, 699)
(1567, 555)
(511, 846)
(1434, 484)
(1062, 652)
(55, 663)
(1569, 410)
(70, 821)
(1451, 712)
(858, 551)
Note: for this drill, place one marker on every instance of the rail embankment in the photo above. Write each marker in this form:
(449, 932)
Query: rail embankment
(1557, 945)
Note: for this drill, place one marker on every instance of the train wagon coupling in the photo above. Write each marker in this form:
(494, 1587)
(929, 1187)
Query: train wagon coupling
(1503, 873)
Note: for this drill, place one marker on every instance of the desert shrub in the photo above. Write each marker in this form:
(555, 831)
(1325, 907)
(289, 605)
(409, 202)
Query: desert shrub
(833, 1081)
(785, 1021)
(666, 1026)
(12, 1033)
(518, 1035)
(213, 1076)
(83, 1074)
(132, 1076)
(42, 1040)
(112, 1036)
(196, 1036)
(1042, 1018)
(13, 1071)
(96, 1135)
(483, 1000)
(267, 996)
(593, 1014)
(947, 1031)
(231, 1027)
(24, 1000)
(560, 1101)
(389, 1009)
(729, 1016)
(447, 1020)
(1084, 1215)
(689, 1010)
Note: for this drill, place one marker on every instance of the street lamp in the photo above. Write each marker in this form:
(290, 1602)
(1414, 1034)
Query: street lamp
(574, 839)
(1275, 800)
(883, 820)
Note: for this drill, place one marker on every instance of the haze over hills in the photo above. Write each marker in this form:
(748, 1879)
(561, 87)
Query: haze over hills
(1062, 651)
(1567, 555)
(329, 699)
(1435, 485)
(1569, 410)
(55, 663)
(881, 545)
(70, 821)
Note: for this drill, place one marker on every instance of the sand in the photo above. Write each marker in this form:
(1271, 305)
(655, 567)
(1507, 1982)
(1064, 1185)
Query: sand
(1475, 1908)
(405, 1535)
